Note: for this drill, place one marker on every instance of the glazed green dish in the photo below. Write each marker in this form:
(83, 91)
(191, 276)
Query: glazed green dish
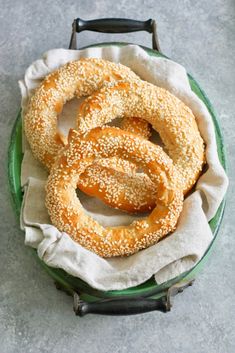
(70, 283)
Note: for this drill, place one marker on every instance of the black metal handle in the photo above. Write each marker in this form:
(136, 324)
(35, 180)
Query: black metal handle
(119, 306)
(114, 25)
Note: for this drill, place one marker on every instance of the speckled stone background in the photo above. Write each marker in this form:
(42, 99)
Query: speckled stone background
(34, 316)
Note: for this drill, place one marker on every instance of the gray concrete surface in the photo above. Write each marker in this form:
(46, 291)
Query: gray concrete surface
(34, 317)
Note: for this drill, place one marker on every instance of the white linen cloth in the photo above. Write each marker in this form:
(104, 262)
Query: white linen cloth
(170, 257)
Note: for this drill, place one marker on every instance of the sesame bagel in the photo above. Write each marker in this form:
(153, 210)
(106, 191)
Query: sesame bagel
(75, 79)
(67, 213)
(81, 78)
(169, 116)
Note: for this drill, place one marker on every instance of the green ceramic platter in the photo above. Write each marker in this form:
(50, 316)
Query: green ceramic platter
(70, 283)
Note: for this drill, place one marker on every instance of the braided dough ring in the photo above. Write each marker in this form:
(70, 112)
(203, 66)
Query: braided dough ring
(169, 116)
(81, 78)
(68, 215)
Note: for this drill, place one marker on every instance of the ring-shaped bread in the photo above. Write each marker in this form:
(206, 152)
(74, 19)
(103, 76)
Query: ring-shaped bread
(168, 115)
(67, 213)
(81, 78)
(75, 79)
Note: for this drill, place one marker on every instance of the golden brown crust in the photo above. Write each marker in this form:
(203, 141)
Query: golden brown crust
(68, 215)
(81, 78)
(133, 193)
(115, 181)
(169, 116)
(77, 78)
(137, 126)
